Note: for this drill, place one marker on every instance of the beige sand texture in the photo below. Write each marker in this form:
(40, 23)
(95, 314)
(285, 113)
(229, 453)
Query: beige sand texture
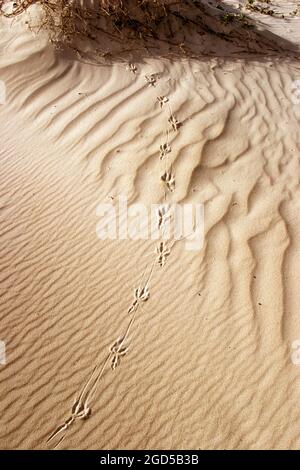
(210, 360)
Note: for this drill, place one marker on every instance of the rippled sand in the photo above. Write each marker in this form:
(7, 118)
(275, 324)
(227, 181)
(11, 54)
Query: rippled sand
(209, 364)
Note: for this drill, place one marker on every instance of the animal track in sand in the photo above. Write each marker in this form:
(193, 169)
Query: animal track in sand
(141, 294)
(164, 150)
(174, 123)
(132, 68)
(119, 349)
(169, 179)
(151, 80)
(163, 214)
(163, 252)
(162, 100)
(80, 409)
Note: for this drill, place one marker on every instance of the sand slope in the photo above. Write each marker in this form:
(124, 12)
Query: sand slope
(210, 359)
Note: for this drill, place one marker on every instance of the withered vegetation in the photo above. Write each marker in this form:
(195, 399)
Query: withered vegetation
(107, 28)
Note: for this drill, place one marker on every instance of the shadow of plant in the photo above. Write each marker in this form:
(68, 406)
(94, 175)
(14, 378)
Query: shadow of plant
(115, 29)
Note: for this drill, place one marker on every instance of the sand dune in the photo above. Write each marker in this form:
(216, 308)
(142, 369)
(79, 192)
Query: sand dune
(209, 360)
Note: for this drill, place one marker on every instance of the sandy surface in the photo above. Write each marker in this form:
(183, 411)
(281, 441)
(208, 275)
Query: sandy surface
(209, 364)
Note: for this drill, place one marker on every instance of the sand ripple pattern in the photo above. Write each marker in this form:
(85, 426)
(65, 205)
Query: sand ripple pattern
(210, 362)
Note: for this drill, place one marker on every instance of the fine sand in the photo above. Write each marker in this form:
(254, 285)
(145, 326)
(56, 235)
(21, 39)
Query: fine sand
(210, 363)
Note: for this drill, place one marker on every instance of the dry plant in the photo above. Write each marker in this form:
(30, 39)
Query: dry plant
(72, 22)
(108, 28)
